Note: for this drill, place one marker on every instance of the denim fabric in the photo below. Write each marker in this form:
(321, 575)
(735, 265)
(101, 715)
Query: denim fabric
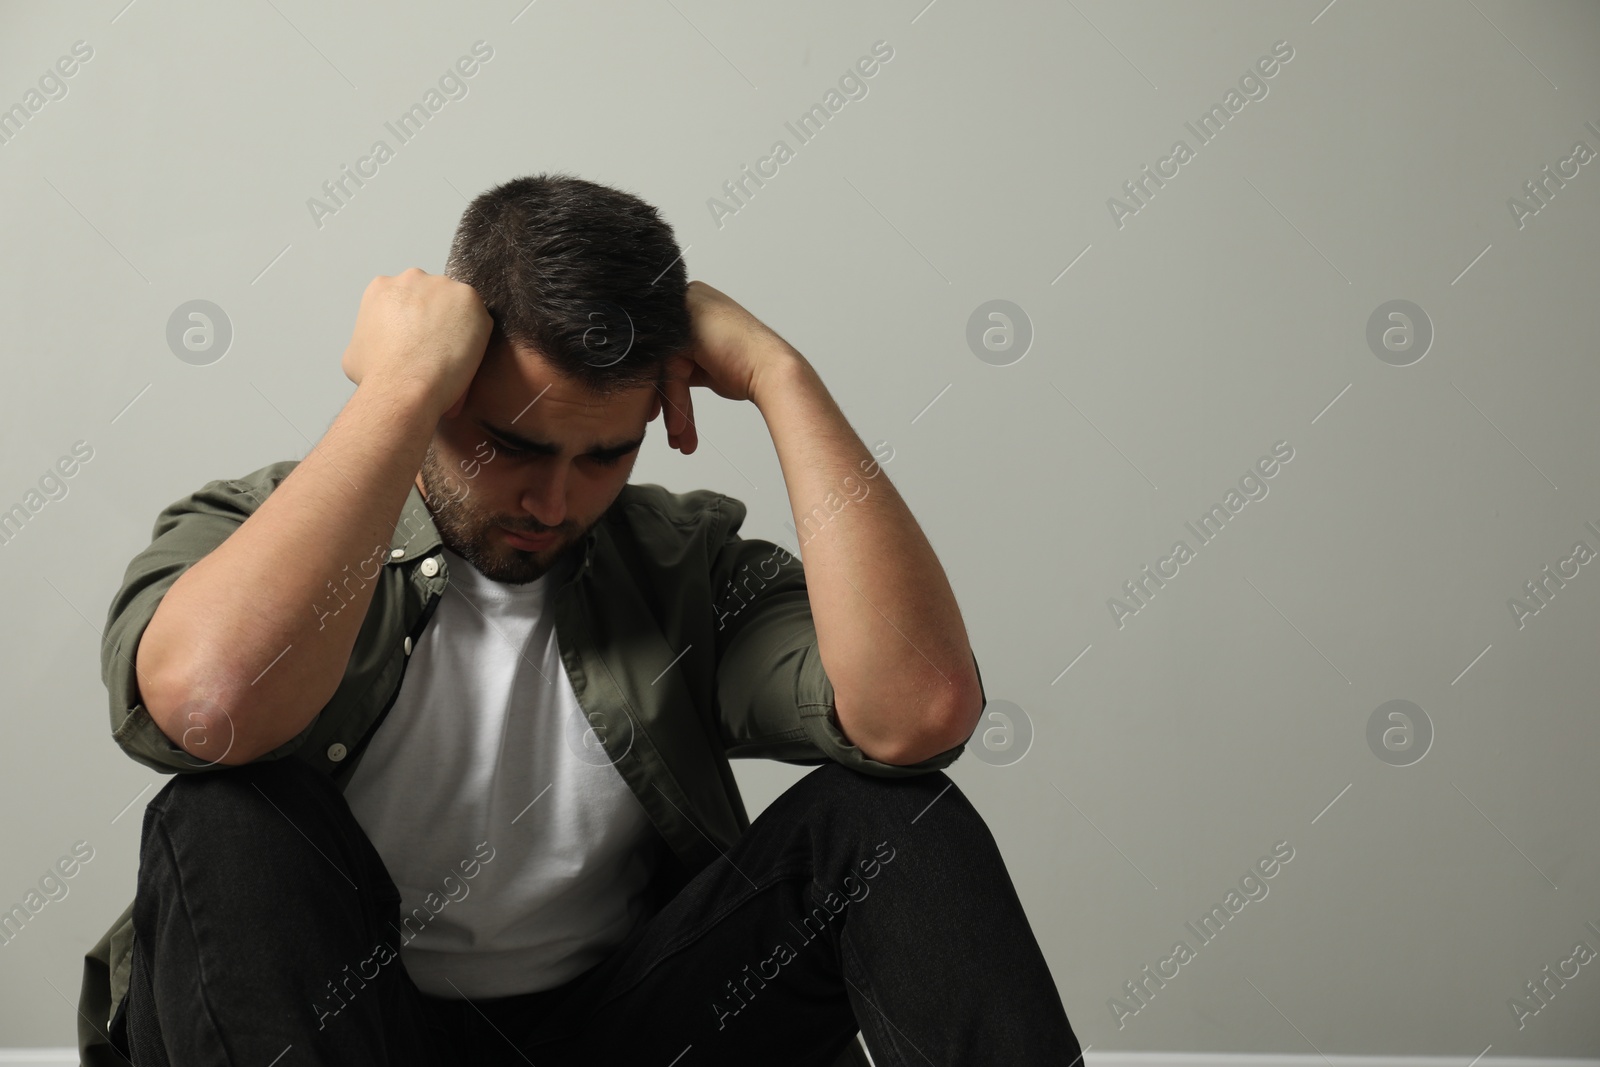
(852, 902)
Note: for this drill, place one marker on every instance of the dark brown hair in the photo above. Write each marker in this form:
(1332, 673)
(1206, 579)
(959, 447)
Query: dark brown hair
(589, 276)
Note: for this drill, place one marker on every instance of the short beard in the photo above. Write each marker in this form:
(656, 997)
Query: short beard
(471, 535)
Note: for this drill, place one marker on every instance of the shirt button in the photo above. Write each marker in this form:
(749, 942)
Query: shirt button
(430, 567)
(337, 752)
(408, 646)
(396, 553)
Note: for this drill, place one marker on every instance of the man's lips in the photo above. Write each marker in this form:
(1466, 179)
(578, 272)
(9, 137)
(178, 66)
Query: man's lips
(530, 542)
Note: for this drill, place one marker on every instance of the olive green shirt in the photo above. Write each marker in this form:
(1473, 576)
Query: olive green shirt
(686, 645)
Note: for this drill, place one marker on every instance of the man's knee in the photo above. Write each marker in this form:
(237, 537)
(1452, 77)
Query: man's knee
(838, 778)
(257, 810)
(901, 800)
(263, 843)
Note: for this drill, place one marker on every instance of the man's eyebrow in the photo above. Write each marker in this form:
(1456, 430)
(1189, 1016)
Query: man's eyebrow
(545, 448)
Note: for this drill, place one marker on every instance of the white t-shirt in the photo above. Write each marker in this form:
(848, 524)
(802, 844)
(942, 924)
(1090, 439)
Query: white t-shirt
(519, 851)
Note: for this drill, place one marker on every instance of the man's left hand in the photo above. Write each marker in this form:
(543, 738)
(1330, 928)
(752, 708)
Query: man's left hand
(729, 352)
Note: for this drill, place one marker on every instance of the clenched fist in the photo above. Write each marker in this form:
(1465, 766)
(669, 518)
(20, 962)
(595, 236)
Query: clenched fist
(422, 332)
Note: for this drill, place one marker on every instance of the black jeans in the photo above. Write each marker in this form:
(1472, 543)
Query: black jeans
(852, 902)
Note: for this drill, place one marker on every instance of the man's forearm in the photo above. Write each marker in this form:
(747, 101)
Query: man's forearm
(889, 631)
(244, 648)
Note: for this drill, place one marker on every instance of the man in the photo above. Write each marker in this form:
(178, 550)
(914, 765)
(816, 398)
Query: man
(456, 702)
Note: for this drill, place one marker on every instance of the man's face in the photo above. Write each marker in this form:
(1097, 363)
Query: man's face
(531, 452)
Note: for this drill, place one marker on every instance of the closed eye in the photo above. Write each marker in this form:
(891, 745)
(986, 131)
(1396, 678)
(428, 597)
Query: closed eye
(518, 453)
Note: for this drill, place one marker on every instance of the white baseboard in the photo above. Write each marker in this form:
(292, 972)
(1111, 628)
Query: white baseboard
(54, 1057)
(1092, 1058)
(1242, 1059)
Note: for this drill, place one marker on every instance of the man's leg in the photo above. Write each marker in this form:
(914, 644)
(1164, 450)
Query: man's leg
(264, 928)
(852, 901)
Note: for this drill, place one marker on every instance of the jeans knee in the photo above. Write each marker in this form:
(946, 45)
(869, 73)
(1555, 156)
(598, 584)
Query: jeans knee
(836, 778)
(255, 811)
(898, 801)
(227, 794)
(863, 823)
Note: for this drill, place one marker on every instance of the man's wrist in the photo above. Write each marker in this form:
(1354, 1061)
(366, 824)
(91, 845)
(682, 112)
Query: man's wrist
(782, 371)
(410, 400)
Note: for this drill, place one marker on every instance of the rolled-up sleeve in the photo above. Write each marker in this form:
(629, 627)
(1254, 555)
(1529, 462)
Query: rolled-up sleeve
(184, 533)
(775, 700)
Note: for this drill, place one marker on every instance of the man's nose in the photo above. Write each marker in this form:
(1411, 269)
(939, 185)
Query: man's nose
(545, 500)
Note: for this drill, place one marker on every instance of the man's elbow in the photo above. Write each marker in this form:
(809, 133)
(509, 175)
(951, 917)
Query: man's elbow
(899, 734)
(944, 730)
(202, 726)
(957, 727)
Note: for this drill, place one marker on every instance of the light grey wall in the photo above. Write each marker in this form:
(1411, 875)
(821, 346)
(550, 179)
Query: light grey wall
(1170, 353)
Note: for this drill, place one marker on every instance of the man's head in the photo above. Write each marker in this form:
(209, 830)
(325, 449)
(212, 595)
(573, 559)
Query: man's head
(586, 288)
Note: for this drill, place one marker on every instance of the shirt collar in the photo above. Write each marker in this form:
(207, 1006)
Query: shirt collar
(416, 536)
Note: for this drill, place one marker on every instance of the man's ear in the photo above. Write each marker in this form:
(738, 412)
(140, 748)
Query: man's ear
(655, 406)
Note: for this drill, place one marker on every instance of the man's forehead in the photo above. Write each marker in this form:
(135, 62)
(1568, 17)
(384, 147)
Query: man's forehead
(525, 377)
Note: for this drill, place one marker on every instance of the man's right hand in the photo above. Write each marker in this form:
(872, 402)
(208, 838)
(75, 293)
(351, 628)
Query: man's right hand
(422, 332)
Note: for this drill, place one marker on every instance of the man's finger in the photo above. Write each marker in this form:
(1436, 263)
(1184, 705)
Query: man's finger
(691, 438)
(675, 396)
(668, 393)
(678, 407)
